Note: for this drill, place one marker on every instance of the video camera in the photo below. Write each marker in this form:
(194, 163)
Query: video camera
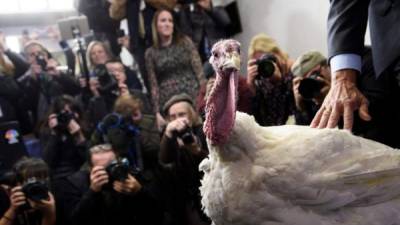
(310, 87)
(265, 64)
(108, 83)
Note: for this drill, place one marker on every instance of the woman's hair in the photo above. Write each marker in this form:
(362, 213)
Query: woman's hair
(90, 47)
(264, 43)
(126, 105)
(177, 36)
(26, 168)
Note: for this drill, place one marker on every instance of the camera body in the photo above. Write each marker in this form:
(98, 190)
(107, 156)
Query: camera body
(63, 119)
(186, 135)
(41, 61)
(118, 170)
(108, 83)
(36, 189)
(310, 87)
(265, 64)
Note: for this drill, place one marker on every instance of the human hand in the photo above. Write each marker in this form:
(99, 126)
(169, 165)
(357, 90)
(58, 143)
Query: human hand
(93, 86)
(98, 177)
(17, 198)
(252, 73)
(177, 125)
(47, 206)
(297, 96)
(51, 67)
(128, 186)
(73, 126)
(326, 86)
(342, 100)
(36, 69)
(124, 41)
(123, 89)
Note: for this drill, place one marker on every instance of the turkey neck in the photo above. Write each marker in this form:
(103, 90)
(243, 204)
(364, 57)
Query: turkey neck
(221, 108)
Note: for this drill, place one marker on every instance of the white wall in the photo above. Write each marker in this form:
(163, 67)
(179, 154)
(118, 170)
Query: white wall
(297, 25)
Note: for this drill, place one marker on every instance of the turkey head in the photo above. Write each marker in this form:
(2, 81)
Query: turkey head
(221, 104)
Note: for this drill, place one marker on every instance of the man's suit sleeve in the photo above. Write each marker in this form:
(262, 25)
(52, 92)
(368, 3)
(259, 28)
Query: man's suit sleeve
(347, 22)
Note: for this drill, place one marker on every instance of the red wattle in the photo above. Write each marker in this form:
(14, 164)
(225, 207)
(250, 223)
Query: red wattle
(221, 108)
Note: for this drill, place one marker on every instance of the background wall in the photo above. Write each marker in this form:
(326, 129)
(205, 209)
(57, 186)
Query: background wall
(298, 26)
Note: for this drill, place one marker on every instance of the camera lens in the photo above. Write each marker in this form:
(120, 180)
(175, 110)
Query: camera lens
(186, 135)
(266, 67)
(310, 87)
(36, 190)
(118, 170)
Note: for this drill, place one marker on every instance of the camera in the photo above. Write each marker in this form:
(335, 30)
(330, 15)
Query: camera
(118, 170)
(310, 87)
(265, 64)
(41, 61)
(186, 135)
(108, 83)
(36, 189)
(64, 118)
(120, 33)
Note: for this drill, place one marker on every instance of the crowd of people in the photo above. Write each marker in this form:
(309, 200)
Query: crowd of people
(113, 153)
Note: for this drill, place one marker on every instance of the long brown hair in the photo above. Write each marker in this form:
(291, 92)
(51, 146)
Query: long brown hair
(177, 36)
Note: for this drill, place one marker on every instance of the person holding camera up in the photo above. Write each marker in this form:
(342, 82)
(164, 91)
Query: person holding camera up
(108, 193)
(26, 198)
(183, 147)
(43, 82)
(63, 137)
(311, 83)
(270, 80)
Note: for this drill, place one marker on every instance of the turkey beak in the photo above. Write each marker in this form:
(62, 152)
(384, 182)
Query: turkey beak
(232, 62)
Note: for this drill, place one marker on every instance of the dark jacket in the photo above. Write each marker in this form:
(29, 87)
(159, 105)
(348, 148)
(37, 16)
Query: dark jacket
(61, 153)
(21, 66)
(200, 24)
(82, 206)
(347, 22)
(40, 92)
(185, 197)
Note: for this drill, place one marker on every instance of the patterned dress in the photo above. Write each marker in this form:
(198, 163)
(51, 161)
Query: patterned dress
(173, 70)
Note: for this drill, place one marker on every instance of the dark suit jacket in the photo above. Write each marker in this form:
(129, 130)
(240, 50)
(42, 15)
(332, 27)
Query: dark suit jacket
(347, 23)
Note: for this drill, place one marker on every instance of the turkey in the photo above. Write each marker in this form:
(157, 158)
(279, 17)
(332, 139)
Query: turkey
(289, 175)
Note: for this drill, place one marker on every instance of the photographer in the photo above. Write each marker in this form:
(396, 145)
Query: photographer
(26, 199)
(63, 137)
(43, 82)
(110, 81)
(183, 147)
(311, 83)
(108, 193)
(270, 80)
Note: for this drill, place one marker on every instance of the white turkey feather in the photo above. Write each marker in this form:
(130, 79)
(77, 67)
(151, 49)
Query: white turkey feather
(297, 175)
